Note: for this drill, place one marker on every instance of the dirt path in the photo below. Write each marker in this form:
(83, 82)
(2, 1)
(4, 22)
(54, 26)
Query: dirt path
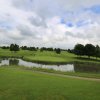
(68, 76)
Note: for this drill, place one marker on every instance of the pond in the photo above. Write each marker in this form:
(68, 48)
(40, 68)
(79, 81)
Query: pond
(71, 67)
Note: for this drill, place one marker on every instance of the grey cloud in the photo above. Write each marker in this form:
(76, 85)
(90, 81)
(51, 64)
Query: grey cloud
(44, 8)
(25, 30)
(75, 35)
(23, 4)
(29, 19)
(37, 21)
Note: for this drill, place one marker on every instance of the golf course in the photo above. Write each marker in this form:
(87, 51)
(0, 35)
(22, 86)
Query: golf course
(49, 49)
(31, 83)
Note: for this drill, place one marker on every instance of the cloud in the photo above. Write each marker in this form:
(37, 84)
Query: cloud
(51, 23)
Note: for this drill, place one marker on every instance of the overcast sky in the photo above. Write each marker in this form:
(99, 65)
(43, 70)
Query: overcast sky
(51, 23)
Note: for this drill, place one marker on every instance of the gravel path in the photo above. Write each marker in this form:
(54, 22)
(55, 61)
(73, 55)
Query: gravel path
(68, 76)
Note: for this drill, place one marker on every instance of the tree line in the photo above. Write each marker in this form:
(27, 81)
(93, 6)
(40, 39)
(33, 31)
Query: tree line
(87, 50)
(57, 50)
(15, 48)
(79, 49)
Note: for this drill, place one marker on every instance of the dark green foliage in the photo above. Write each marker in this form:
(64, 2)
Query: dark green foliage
(24, 47)
(70, 50)
(79, 49)
(32, 49)
(46, 49)
(5, 47)
(97, 51)
(89, 50)
(58, 50)
(14, 47)
(29, 48)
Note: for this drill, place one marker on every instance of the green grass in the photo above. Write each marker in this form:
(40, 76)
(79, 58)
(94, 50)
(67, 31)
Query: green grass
(79, 74)
(19, 84)
(47, 56)
(52, 58)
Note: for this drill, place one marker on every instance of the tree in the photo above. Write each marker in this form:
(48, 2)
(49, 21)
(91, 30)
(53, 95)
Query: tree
(58, 50)
(89, 50)
(41, 49)
(97, 51)
(14, 47)
(5, 47)
(79, 49)
(24, 47)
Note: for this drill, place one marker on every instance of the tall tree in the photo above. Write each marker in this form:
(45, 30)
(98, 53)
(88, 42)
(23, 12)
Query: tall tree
(79, 49)
(14, 47)
(97, 51)
(89, 50)
(58, 50)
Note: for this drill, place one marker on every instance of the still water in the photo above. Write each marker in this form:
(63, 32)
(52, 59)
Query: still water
(75, 67)
(20, 62)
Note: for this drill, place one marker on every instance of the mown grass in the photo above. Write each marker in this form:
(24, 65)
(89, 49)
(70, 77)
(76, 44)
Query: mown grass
(52, 58)
(20, 84)
(47, 56)
(79, 74)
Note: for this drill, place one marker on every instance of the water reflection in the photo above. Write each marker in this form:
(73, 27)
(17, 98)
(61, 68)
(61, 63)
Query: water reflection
(75, 67)
(87, 68)
(13, 62)
(20, 62)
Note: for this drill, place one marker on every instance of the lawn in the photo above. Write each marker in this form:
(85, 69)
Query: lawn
(20, 84)
(46, 56)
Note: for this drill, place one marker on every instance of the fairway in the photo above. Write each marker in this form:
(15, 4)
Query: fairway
(19, 84)
(50, 57)
(49, 50)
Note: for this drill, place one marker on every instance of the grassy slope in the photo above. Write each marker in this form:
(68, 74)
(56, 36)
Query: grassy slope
(46, 56)
(50, 57)
(25, 85)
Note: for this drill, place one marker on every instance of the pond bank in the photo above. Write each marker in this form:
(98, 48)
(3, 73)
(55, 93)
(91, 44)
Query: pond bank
(79, 74)
(69, 67)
